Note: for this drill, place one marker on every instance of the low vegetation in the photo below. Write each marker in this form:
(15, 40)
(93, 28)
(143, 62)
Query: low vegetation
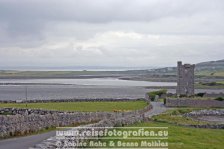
(176, 117)
(153, 94)
(81, 106)
(212, 83)
(218, 73)
(182, 137)
(220, 98)
(189, 138)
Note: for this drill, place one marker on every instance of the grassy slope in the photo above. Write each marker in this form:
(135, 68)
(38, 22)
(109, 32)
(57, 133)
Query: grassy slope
(181, 137)
(190, 138)
(219, 73)
(44, 73)
(175, 116)
(82, 106)
(8, 74)
(185, 137)
(217, 85)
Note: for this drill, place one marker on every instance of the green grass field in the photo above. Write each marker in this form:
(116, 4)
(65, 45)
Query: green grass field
(212, 85)
(219, 73)
(52, 74)
(182, 137)
(190, 138)
(175, 116)
(82, 106)
(222, 82)
(44, 73)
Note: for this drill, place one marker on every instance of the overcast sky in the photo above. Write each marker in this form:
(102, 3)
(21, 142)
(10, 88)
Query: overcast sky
(131, 33)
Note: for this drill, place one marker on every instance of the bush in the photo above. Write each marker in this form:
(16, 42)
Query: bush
(153, 94)
(212, 84)
(200, 94)
(182, 96)
(175, 112)
(220, 99)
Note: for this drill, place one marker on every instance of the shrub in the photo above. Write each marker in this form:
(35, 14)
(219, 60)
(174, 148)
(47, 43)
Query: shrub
(175, 112)
(181, 96)
(200, 94)
(153, 94)
(212, 84)
(220, 99)
(209, 83)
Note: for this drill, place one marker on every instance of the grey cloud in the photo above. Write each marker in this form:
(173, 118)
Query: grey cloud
(69, 31)
(26, 17)
(103, 10)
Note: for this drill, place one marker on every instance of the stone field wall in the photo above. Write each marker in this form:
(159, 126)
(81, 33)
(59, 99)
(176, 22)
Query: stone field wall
(68, 100)
(206, 112)
(214, 95)
(185, 102)
(23, 121)
(126, 119)
(14, 125)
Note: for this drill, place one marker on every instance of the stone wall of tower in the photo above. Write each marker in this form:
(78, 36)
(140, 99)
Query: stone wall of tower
(185, 79)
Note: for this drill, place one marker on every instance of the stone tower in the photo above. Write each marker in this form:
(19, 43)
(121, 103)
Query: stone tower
(185, 79)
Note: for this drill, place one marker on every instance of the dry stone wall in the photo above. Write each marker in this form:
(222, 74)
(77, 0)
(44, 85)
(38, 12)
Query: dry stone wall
(185, 102)
(23, 121)
(20, 124)
(206, 112)
(214, 95)
(211, 113)
(124, 119)
(69, 100)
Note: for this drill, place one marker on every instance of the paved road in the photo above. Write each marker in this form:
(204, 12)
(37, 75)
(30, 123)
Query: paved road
(158, 108)
(25, 142)
(29, 141)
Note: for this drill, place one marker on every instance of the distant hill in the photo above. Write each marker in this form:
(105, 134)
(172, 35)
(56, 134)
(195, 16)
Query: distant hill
(210, 66)
(208, 69)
